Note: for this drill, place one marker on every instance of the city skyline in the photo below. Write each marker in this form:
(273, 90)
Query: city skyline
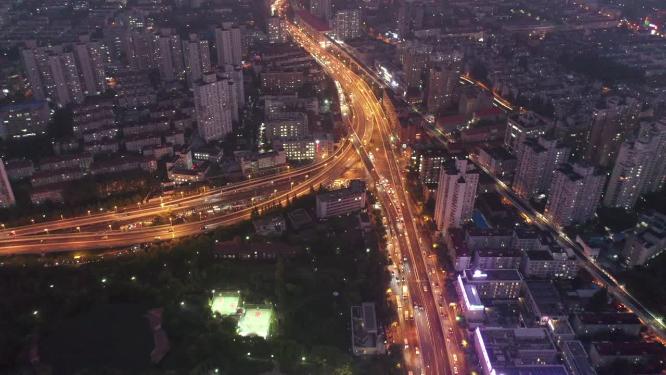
(448, 187)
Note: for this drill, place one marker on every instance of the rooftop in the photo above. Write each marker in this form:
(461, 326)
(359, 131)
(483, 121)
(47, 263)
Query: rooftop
(608, 318)
(355, 187)
(627, 348)
(493, 275)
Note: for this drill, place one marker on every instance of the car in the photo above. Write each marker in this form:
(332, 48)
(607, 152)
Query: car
(416, 350)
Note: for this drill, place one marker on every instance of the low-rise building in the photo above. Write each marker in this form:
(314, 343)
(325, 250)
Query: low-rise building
(270, 225)
(607, 352)
(314, 147)
(367, 336)
(18, 169)
(282, 81)
(576, 358)
(183, 176)
(136, 143)
(543, 301)
(71, 161)
(516, 350)
(469, 300)
(51, 176)
(235, 249)
(549, 264)
(457, 249)
(106, 146)
(507, 258)
(607, 323)
(477, 238)
(495, 284)
(18, 120)
(498, 161)
(47, 193)
(93, 114)
(647, 240)
(341, 201)
(254, 164)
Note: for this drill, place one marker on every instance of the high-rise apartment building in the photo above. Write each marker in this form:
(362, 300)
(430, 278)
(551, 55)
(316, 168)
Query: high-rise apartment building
(521, 126)
(414, 59)
(536, 165)
(456, 192)
(655, 177)
(228, 45)
(276, 30)
(6, 193)
(612, 120)
(235, 73)
(575, 194)
(212, 100)
(347, 24)
(33, 59)
(321, 9)
(440, 86)
(53, 74)
(92, 58)
(196, 54)
(639, 167)
(141, 49)
(170, 55)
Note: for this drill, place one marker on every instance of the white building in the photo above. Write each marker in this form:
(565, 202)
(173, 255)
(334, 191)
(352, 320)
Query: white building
(53, 74)
(212, 100)
(287, 125)
(347, 24)
(440, 85)
(197, 58)
(170, 55)
(6, 193)
(575, 194)
(321, 9)
(276, 30)
(307, 148)
(92, 58)
(228, 45)
(341, 201)
(456, 193)
(522, 126)
(647, 240)
(549, 264)
(639, 167)
(18, 120)
(536, 166)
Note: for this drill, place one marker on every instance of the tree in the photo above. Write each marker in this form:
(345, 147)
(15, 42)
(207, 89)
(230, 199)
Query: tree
(62, 123)
(599, 301)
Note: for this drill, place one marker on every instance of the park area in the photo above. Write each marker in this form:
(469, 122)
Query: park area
(290, 313)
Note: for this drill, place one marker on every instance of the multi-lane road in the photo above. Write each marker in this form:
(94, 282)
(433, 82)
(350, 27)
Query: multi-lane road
(96, 231)
(426, 349)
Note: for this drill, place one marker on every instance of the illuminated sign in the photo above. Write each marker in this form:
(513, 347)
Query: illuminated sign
(468, 305)
(484, 353)
(479, 274)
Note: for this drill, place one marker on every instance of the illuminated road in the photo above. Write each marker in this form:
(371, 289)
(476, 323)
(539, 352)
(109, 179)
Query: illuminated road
(161, 207)
(606, 279)
(115, 238)
(49, 237)
(428, 353)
